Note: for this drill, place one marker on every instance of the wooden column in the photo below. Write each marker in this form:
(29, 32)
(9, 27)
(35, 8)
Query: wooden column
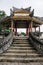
(26, 31)
(39, 28)
(30, 26)
(14, 28)
(11, 24)
(35, 29)
(15, 31)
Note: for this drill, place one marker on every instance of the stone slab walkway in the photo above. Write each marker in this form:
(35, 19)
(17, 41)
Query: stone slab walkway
(30, 63)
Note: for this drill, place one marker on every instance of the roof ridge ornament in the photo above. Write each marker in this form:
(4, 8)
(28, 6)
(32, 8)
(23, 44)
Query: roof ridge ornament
(28, 9)
(32, 13)
(14, 8)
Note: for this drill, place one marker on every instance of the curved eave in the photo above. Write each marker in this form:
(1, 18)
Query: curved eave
(5, 19)
(21, 18)
(36, 20)
(33, 19)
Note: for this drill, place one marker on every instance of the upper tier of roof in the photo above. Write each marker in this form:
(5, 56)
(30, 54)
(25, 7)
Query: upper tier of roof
(22, 11)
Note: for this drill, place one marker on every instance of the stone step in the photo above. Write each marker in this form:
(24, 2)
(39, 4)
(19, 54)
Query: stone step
(21, 42)
(23, 55)
(13, 59)
(15, 55)
(15, 45)
(19, 63)
(20, 37)
(20, 54)
(20, 45)
(20, 51)
(23, 48)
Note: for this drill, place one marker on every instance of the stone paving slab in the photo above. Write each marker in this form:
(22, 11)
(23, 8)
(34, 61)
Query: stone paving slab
(30, 63)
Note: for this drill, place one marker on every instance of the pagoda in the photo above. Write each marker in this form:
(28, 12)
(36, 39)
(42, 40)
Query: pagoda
(21, 18)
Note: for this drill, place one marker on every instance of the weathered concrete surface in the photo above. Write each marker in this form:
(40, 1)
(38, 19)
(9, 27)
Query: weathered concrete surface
(31, 63)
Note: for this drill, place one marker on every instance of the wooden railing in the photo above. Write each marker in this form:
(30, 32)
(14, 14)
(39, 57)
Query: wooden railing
(7, 41)
(36, 42)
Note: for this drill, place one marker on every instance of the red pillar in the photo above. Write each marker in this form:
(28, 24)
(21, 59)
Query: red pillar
(39, 28)
(12, 25)
(30, 27)
(26, 31)
(15, 31)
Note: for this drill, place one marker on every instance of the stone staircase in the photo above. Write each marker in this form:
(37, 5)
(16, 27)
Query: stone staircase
(21, 51)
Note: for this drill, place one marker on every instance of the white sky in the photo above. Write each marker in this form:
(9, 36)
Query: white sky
(35, 4)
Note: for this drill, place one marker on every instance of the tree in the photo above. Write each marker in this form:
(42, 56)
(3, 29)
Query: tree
(23, 33)
(2, 14)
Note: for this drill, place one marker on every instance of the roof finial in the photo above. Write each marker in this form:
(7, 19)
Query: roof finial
(28, 9)
(32, 13)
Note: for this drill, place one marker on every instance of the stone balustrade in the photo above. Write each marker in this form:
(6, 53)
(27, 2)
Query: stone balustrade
(36, 42)
(7, 41)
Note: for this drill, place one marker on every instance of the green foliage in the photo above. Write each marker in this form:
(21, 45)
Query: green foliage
(7, 30)
(2, 14)
(22, 33)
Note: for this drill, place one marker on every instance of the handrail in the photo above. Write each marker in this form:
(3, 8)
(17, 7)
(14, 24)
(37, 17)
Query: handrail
(6, 42)
(37, 33)
(35, 38)
(36, 42)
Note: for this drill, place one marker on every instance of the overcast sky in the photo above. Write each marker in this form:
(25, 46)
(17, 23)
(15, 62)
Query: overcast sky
(35, 4)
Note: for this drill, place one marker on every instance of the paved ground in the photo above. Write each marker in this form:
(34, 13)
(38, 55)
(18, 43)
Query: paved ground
(30, 63)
